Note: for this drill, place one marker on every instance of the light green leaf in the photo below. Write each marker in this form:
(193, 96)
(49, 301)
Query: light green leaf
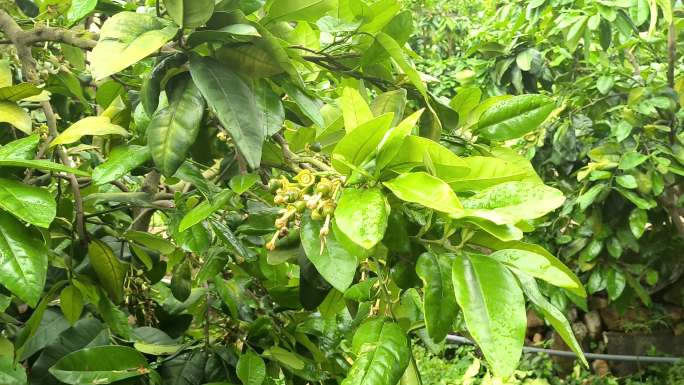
(494, 309)
(251, 369)
(23, 260)
(41, 164)
(332, 260)
(190, 13)
(100, 365)
(71, 303)
(439, 303)
(414, 150)
(542, 266)
(22, 149)
(5, 73)
(11, 372)
(514, 117)
(512, 202)
(80, 9)
(91, 125)
(174, 129)
(152, 241)
(18, 92)
(390, 101)
(121, 160)
(299, 10)
(465, 101)
(235, 104)
(361, 214)
(203, 210)
(125, 39)
(554, 316)
(11, 113)
(109, 270)
(485, 171)
(638, 221)
(359, 145)
(627, 181)
(393, 142)
(242, 183)
(156, 349)
(631, 159)
(355, 110)
(34, 205)
(425, 189)
(382, 354)
(504, 233)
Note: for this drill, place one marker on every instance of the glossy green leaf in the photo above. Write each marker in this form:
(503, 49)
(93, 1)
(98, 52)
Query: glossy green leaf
(34, 205)
(361, 214)
(425, 189)
(504, 233)
(414, 151)
(22, 149)
(251, 369)
(551, 313)
(11, 113)
(100, 365)
(120, 162)
(71, 303)
(514, 117)
(465, 101)
(332, 260)
(173, 129)
(391, 101)
(241, 183)
(189, 13)
(91, 125)
(304, 10)
(80, 9)
(543, 266)
(109, 270)
(638, 221)
(23, 260)
(125, 39)
(18, 92)
(358, 145)
(485, 171)
(631, 159)
(355, 110)
(203, 210)
(382, 354)
(494, 309)
(439, 303)
(11, 372)
(234, 102)
(181, 281)
(512, 202)
(394, 141)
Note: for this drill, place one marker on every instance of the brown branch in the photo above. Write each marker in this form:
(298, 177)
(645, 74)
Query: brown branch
(17, 35)
(144, 216)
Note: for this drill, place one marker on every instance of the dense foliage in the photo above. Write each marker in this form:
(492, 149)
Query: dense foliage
(258, 192)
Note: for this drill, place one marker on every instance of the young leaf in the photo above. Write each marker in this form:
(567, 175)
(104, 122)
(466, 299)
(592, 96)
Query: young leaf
(203, 210)
(358, 145)
(91, 125)
(100, 365)
(299, 10)
(514, 117)
(438, 298)
(11, 372)
(361, 214)
(34, 205)
(23, 260)
(392, 143)
(110, 271)
(425, 189)
(125, 39)
(382, 354)
(71, 303)
(235, 104)
(332, 260)
(190, 13)
(638, 221)
(173, 129)
(494, 309)
(486, 171)
(242, 183)
(355, 110)
(121, 161)
(11, 113)
(415, 149)
(251, 369)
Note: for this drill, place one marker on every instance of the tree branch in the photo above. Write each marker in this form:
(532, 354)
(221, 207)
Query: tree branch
(17, 35)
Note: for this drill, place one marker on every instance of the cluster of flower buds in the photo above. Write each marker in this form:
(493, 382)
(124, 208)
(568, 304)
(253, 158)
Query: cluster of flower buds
(305, 192)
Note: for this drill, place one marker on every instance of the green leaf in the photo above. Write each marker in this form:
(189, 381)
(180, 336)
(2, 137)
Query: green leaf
(190, 13)
(465, 101)
(173, 129)
(638, 220)
(514, 117)
(251, 369)
(11, 113)
(541, 265)
(512, 202)
(425, 189)
(41, 164)
(299, 10)
(109, 270)
(485, 171)
(361, 214)
(181, 281)
(91, 125)
(34, 205)
(394, 141)
(235, 104)
(504, 233)
(355, 110)
(80, 9)
(382, 354)
(100, 365)
(241, 183)
(390, 101)
(21, 149)
(125, 39)
(631, 159)
(152, 241)
(551, 313)
(23, 260)
(18, 92)
(11, 372)
(494, 309)
(438, 293)
(615, 283)
(359, 145)
(332, 260)
(414, 151)
(627, 181)
(120, 162)
(71, 303)
(205, 209)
